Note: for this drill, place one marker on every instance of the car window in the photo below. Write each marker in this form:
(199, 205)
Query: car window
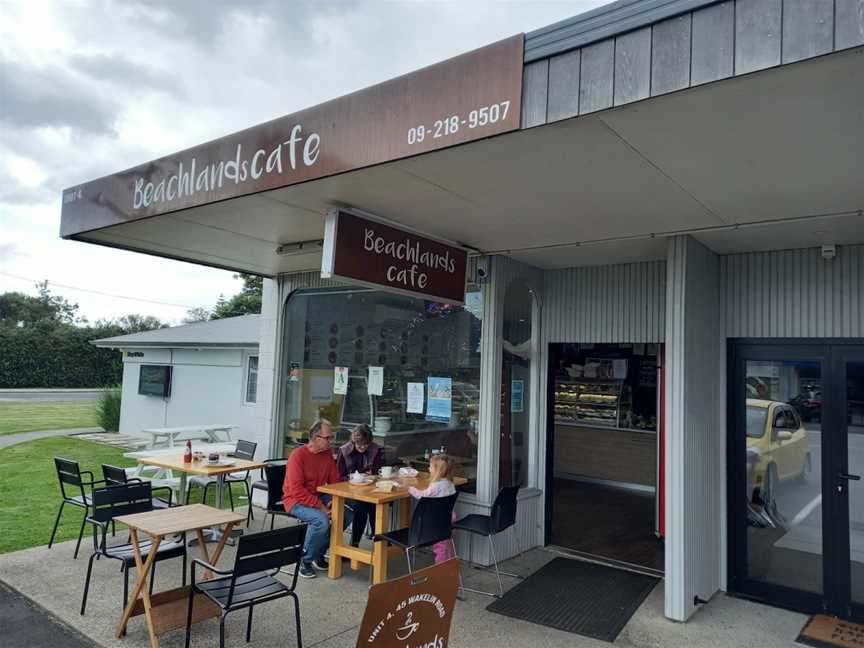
(794, 420)
(780, 420)
(756, 419)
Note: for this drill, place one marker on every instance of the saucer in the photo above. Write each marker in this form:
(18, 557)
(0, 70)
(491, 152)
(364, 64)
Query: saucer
(366, 481)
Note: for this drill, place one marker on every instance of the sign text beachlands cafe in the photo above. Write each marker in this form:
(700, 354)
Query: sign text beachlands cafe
(631, 284)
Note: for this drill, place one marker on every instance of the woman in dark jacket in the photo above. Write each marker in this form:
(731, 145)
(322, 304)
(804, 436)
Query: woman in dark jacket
(360, 454)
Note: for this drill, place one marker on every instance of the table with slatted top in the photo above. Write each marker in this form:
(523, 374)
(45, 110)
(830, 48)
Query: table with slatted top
(166, 610)
(377, 558)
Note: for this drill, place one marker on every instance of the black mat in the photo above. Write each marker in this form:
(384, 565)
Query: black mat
(24, 624)
(580, 597)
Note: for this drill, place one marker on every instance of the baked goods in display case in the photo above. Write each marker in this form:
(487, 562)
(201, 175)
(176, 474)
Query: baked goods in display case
(588, 401)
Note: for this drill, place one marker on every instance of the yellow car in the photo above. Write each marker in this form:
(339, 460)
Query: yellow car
(777, 447)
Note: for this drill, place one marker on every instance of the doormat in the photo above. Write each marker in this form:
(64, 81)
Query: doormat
(827, 632)
(580, 597)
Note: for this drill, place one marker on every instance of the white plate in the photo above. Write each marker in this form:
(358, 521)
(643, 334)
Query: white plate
(407, 472)
(220, 463)
(366, 480)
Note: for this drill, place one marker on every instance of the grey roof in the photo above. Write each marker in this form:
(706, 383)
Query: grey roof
(239, 331)
(601, 23)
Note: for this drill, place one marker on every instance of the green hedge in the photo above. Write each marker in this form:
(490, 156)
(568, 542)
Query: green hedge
(58, 355)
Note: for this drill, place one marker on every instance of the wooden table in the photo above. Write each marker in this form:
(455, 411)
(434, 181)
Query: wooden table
(167, 610)
(175, 462)
(164, 476)
(208, 431)
(377, 558)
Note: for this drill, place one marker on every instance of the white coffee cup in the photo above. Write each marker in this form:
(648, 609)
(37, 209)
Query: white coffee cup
(386, 471)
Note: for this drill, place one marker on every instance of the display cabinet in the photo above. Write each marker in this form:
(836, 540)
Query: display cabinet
(588, 401)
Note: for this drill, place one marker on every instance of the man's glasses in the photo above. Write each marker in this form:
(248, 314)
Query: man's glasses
(327, 438)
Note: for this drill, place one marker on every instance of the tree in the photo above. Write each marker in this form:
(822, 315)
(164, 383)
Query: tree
(198, 314)
(20, 310)
(132, 323)
(246, 302)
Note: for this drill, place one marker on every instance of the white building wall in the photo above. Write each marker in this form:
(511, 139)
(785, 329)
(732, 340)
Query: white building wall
(207, 386)
(694, 438)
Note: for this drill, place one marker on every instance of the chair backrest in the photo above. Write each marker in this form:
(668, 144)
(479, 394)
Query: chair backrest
(432, 520)
(114, 475)
(274, 473)
(122, 499)
(69, 474)
(504, 509)
(245, 450)
(257, 552)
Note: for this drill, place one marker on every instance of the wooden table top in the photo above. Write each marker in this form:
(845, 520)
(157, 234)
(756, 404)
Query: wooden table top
(368, 492)
(175, 462)
(178, 519)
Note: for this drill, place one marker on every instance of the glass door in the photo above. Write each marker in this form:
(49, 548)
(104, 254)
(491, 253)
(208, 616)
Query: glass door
(848, 483)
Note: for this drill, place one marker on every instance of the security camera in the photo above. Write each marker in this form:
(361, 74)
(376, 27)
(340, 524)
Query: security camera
(829, 251)
(482, 268)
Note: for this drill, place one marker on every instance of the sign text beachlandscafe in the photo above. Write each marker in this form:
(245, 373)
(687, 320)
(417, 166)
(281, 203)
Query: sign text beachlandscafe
(363, 251)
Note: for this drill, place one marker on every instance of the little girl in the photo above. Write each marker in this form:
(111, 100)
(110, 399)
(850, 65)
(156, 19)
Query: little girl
(440, 485)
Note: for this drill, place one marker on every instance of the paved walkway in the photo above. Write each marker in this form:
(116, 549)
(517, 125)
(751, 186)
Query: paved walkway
(12, 439)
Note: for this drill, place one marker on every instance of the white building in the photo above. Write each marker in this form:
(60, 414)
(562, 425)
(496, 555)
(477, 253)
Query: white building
(211, 370)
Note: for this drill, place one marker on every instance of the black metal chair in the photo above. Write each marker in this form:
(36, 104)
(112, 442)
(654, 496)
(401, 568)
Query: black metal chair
(259, 557)
(243, 450)
(501, 517)
(431, 522)
(116, 476)
(126, 499)
(261, 483)
(70, 475)
(274, 473)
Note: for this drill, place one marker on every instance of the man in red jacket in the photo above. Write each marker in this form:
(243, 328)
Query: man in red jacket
(309, 467)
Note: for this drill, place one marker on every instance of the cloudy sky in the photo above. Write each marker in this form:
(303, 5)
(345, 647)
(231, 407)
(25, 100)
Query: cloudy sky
(88, 88)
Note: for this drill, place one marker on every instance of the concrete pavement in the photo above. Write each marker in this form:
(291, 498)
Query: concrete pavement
(50, 394)
(331, 612)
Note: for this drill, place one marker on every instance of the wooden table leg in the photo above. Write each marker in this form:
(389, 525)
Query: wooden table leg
(379, 549)
(337, 519)
(405, 512)
(219, 547)
(207, 573)
(143, 570)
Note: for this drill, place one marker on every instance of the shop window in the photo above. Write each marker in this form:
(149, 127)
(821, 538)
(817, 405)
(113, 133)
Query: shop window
(515, 386)
(251, 379)
(428, 355)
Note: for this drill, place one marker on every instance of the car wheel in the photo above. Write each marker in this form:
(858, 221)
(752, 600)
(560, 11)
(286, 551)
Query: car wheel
(806, 468)
(769, 488)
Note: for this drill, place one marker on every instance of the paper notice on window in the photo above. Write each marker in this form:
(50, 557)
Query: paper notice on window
(376, 381)
(440, 401)
(415, 397)
(340, 380)
(619, 368)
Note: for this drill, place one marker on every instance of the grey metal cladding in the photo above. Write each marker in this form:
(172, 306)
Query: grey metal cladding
(808, 28)
(713, 43)
(632, 66)
(603, 22)
(670, 55)
(564, 85)
(535, 85)
(848, 23)
(757, 34)
(595, 91)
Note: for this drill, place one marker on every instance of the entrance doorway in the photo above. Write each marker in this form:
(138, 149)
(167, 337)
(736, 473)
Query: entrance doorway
(602, 444)
(795, 463)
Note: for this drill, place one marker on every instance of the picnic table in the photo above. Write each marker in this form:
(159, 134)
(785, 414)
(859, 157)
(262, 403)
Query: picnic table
(166, 610)
(212, 432)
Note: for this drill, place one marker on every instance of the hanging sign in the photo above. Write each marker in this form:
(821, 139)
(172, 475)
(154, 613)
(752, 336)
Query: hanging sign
(366, 252)
(414, 611)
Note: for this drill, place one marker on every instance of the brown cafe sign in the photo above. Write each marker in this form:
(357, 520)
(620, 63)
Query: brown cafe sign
(366, 252)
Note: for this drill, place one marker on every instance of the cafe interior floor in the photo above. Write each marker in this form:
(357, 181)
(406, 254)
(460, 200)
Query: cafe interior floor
(607, 522)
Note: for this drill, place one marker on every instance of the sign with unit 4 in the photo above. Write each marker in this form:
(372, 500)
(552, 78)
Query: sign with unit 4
(366, 252)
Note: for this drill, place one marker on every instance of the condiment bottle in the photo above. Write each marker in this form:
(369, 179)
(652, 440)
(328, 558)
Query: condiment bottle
(187, 456)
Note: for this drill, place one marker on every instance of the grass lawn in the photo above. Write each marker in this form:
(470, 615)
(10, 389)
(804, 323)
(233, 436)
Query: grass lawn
(30, 494)
(46, 415)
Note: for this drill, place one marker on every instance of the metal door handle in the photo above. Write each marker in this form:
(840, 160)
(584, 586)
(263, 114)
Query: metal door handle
(848, 477)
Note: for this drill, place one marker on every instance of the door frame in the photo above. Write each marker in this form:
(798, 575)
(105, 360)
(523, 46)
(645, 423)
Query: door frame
(833, 598)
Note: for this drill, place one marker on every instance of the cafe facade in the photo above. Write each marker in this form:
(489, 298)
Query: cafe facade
(617, 261)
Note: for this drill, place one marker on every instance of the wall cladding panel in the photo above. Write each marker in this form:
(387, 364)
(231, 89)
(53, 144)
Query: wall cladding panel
(632, 66)
(564, 85)
(757, 34)
(535, 86)
(794, 293)
(670, 55)
(713, 43)
(616, 303)
(596, 84)
(808, 28)
(848, 24)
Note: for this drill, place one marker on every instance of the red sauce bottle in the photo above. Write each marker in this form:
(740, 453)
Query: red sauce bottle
(187, 456)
